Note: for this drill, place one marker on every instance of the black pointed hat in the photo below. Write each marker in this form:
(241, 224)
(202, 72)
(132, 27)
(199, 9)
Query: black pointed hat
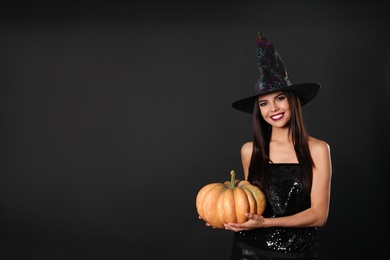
(273, 77)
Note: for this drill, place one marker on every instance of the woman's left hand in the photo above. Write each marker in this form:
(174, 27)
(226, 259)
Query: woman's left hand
(254, 221)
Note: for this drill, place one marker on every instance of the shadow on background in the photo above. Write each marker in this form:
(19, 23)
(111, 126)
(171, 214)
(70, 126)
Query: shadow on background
(113, 116)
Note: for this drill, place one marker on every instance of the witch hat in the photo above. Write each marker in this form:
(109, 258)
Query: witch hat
(274, 77)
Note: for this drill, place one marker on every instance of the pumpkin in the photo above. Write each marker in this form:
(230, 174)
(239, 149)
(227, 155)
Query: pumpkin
(228, 202)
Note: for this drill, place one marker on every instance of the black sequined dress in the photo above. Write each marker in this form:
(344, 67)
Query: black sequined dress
(286, 198)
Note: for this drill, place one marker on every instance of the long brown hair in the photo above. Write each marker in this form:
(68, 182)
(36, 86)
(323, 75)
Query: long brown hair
(259, 165)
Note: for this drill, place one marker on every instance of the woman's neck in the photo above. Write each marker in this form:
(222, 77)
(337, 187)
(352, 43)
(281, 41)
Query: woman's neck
(281, 135)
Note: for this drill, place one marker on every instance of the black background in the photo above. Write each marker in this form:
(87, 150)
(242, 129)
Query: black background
(115, 114)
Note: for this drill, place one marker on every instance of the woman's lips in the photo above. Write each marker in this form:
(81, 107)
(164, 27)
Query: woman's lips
(277, 116)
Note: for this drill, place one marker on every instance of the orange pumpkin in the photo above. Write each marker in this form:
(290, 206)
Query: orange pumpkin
(228, 202)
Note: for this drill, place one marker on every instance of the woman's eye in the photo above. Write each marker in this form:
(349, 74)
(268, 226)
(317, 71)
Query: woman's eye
(280, 98)
(261, 104)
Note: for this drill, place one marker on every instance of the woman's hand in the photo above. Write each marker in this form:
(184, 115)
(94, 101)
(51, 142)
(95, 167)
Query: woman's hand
(254, 221)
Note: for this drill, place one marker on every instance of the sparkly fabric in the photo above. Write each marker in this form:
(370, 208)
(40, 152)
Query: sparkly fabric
(273, 74)
(286, 198)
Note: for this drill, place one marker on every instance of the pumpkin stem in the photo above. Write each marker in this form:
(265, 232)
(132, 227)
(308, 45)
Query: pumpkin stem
(232, 180)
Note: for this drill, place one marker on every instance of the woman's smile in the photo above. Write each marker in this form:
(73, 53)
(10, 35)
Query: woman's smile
(277, 116)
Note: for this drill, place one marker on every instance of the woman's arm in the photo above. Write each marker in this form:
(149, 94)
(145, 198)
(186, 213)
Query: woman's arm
(246, 154)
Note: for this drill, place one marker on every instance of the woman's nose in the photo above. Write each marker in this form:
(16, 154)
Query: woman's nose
(274, 108)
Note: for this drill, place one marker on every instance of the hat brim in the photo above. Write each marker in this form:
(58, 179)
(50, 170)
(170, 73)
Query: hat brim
(305, 91)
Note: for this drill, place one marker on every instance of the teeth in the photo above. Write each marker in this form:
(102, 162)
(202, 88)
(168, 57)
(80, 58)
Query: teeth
(277, 116)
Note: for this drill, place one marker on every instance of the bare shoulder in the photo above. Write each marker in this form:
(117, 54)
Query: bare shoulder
(246, 149)
(320, 153)
(318, 147)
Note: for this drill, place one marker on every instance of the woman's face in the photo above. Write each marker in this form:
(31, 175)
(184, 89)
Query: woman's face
(275, 109)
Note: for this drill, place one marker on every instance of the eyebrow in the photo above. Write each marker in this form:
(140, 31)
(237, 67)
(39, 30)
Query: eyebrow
(274, 97)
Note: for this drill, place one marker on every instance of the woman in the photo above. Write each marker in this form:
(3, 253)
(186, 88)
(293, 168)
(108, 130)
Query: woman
(292, 168)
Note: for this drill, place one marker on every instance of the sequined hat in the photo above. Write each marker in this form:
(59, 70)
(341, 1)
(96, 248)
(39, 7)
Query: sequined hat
(273, 77)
